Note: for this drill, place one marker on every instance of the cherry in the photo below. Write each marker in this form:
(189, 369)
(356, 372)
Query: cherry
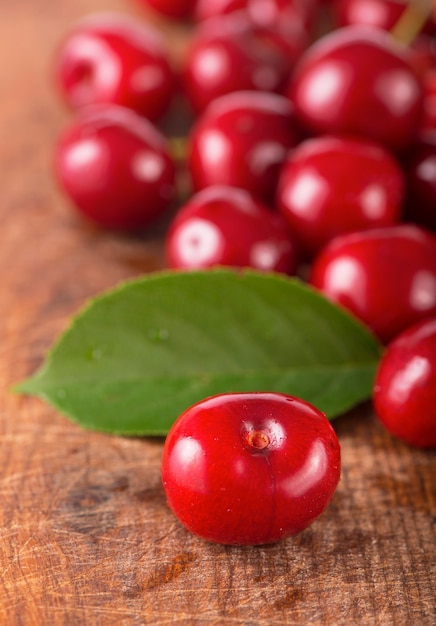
(358, 80)
(386, 277)
(250, 468)
(205, 9)
(227, 226)
(262, 12)
(422, 52)
(420, 168)
(429, 117)
(173, 9)
(285, 22)
(405, 386)
(113, 59)
(423, 57)
(380, 13)
(227, 54)
(115, 167)
(242, 140)
(333, 185)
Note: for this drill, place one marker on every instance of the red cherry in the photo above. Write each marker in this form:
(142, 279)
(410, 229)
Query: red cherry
(422, 54)
(173, 9)
(228, 54)
(242, 140)
(115, 167)
(263, 12)
(357, 80)
(250, 468)
(420, 168)
(405, 386)
(205, 9)
(113, 59)
(380, 13)
(333, 185)
(429, 118)
(386, 277)
(287, 22)
(423, 58)
(227, 226)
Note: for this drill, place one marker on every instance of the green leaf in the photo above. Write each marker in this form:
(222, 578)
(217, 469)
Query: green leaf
(138, 355)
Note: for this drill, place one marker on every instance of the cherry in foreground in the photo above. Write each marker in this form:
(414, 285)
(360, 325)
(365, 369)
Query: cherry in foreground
(405, 386)
(250, 468)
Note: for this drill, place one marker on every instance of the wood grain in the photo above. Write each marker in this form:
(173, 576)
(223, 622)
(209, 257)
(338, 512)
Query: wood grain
(85, 534)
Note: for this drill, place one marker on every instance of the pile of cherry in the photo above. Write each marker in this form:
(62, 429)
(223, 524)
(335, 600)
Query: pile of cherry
(306, 149)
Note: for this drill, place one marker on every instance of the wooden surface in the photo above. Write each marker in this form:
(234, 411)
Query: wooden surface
(85, 535)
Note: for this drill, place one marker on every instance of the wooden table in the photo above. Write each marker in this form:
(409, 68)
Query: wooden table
(85, 534)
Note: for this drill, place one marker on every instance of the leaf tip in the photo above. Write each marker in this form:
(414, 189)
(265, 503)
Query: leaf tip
(28, 386)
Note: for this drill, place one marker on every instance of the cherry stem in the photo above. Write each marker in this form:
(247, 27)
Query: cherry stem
(413, 18)
(179, 151)
(178, 148)
(257, 439)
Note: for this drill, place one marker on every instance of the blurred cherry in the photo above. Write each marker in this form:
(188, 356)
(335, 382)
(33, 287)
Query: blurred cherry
(358, 80)
(241, 140)
(113, 59)
(228, 53)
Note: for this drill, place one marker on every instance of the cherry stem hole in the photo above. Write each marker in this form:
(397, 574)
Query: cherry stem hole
(258, 439)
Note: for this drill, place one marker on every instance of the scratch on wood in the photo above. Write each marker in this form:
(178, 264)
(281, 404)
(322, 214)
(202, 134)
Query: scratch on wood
(169, 572)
